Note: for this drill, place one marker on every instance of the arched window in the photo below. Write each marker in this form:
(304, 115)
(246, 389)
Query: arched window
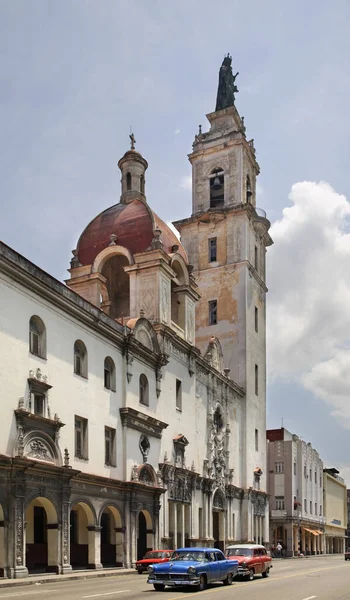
(128, 181)
(80, 359)
(144, 391)
(217, 188)
(249, 192)
(37, 337)
(142, 184)
(109, 374)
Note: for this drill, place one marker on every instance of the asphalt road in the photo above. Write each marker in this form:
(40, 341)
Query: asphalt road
(325, 578)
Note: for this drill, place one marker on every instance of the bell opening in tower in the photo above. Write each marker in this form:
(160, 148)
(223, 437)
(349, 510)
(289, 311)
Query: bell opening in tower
(217, 188)
(117, 286)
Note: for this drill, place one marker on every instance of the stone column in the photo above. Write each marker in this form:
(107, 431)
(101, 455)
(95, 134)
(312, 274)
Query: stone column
(314, 544)
(3, 557)
(210, 515)
(295, 540)
(20, 541)
(205, 516)
(183, 527)
(133, 537)
(303, 541)
(175, 524)
(165, 516)
(94, 550)
(194, 526)
(65, 538)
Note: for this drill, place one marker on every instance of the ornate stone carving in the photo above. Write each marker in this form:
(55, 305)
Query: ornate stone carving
(66, 457)
(180, 443)
(217, 446)
(219, 500)
(19, 529)
(38, 450)
(65, 535)
(20, 440)
(180, 488)
(165, 301)
(134, 473)
(144, 446)
(190, 322)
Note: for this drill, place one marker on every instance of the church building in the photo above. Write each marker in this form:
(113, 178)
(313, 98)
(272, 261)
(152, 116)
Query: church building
(134, 395)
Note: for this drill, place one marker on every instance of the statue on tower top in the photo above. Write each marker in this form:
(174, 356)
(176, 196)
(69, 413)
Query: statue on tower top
(227, 87)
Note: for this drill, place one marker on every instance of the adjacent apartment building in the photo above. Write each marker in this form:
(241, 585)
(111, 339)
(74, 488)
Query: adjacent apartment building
(295, 485)
(335, 511)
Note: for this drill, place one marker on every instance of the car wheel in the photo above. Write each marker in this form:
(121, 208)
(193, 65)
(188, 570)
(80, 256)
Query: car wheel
(250, 577)
(140, 571)
(266, 573)
(228, 580)
(202, 583)
(159, 587)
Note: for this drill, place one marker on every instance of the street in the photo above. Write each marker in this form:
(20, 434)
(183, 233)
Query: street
(324, 578)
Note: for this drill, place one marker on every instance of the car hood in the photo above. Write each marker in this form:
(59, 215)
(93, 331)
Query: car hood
(176, 566)
(150, 561)
(239, 559)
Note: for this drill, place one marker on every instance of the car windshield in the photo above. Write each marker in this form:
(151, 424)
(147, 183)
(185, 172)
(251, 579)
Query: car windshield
(239, 552)
(188, 555)
(155, 555)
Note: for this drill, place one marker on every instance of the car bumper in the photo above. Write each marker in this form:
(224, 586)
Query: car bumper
(243, 571)
(173, 582)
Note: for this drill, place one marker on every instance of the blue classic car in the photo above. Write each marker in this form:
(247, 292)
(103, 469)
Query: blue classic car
(195, 567)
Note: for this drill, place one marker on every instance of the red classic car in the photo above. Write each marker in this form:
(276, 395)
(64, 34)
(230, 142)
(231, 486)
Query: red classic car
(153, 557)
(252, 560)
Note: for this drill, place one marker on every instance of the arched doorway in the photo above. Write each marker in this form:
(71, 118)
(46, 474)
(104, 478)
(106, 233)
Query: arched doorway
(2, 543)
(219, 520)
(41, 534)
(112, 538)
(144, 533)
(81, 518)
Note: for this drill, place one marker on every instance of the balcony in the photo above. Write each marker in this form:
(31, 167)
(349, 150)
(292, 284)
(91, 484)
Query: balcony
(278, 514)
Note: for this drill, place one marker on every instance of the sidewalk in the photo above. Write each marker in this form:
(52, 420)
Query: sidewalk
(53, 578)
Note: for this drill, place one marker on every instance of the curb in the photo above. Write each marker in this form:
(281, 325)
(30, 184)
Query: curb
(7, 583)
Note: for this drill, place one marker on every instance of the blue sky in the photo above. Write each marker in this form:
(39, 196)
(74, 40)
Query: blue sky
(74, 75)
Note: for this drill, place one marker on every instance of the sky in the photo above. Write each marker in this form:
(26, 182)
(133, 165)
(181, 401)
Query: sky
(76, 75)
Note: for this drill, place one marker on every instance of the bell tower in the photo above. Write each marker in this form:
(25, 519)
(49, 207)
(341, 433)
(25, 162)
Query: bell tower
(226, 239)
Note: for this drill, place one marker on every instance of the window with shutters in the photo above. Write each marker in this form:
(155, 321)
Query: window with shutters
(37, 337)
(110, 452)
(81, 441)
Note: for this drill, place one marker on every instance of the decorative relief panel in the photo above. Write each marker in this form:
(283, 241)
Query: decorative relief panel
(165, 301)
(190, 321)
(147, 297)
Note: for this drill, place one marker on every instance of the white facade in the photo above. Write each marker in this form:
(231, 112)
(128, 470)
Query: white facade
(119, 434)
(295, 485)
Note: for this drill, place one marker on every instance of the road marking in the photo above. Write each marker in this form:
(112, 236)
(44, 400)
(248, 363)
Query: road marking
(106, 594)
(309, 597)
(33, 593)
(261, 581)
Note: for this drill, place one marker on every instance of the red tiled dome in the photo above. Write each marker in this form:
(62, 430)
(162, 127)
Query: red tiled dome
(133, 224)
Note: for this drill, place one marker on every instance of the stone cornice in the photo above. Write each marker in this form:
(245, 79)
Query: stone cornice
(134, 419)
(36, 280)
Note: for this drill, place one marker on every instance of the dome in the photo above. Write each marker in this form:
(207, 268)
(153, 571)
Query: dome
(133, 224)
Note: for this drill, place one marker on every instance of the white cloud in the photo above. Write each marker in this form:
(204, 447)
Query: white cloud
(177, 131)
(308, 305)
(186, 182)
